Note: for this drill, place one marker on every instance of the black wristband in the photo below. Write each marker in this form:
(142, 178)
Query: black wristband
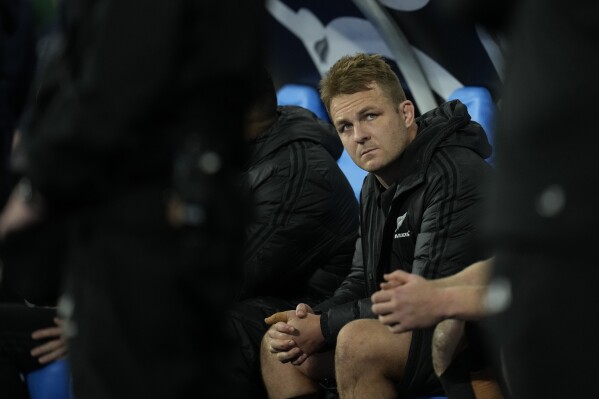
(329, 339)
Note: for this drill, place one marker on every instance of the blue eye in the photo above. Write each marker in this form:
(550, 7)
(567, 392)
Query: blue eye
(370, 117)
(344, 127)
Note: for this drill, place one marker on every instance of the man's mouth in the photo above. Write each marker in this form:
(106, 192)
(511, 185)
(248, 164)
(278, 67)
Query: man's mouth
(366, 151)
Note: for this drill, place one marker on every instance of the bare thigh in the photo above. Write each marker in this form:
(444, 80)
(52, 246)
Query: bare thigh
(367, 344)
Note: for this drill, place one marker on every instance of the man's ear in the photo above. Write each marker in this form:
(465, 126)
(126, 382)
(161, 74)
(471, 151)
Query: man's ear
(408, 112)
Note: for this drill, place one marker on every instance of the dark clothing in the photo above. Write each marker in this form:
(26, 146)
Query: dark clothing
(17, 322)
(135, 109)
(306, 217)
(547, 166)
(432, 223)
(300, 245)
(88, 143)
(34, 275)
(9, 10)
(17, 62)
(545, 201)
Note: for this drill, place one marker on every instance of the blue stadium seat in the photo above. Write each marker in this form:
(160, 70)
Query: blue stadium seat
(303, 96)
(50, 382)
(354, 174)
(481, 107)
(307, 97)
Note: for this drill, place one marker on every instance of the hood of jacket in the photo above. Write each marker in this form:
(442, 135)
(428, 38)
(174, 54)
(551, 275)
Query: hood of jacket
(295, 124)
(447, 125)
(450, 125)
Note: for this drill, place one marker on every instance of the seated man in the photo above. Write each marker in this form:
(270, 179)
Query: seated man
(300, 241)
(420, 208)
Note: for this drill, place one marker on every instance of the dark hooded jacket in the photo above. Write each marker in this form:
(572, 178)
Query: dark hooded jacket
(305, 225)
(433, 219)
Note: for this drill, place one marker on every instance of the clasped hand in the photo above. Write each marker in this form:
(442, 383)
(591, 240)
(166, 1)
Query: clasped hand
(294, 335)
(406, 302)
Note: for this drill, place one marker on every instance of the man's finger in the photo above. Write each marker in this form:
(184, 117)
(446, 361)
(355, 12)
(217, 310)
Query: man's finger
(302, 310)
(397, 275)
(281, 345)
(381, 296)
(397, 328)
(47, 347)
(275, 318)
(382, 308)
(301, 359)
(54, 355)
(389, 319)
(285, 357)
(273, 333)
(391, 284)
(47, 332)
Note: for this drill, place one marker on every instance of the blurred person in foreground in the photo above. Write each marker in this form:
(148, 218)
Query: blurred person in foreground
(544, 218)
(136, 145)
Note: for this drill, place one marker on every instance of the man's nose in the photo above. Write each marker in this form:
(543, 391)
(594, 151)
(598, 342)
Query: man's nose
(360, 133)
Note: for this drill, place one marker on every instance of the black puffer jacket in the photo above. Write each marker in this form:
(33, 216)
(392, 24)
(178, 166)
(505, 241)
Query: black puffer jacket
(306, 216)
(435, 213)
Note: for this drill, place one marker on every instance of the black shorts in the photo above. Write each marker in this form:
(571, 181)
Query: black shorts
(419, 377)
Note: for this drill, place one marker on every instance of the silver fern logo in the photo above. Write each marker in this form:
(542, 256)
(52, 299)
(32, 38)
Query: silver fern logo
(400, 221)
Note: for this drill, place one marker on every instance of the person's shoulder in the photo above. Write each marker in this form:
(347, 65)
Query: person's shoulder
(457, 158)
(455, 165)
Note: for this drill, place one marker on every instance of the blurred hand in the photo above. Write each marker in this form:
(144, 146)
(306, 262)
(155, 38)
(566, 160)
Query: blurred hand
(55, 348)
(18, 212)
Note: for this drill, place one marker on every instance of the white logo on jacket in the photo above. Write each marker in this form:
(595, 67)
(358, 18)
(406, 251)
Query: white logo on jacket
(399, 223)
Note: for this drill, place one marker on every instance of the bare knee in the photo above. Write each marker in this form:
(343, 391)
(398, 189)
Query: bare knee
(447, 342)
(268, 360)
(370, 360)
(367, 346)
(264, 351)
(354, 344)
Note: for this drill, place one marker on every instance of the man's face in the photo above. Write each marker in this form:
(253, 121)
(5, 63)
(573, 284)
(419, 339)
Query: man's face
(374, 130)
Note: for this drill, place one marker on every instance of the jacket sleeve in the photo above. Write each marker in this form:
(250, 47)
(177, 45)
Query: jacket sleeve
(350, 301)
(354, 285)
(450, 235)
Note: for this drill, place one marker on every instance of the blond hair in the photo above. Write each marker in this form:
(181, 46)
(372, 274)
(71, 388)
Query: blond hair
(355, 73)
